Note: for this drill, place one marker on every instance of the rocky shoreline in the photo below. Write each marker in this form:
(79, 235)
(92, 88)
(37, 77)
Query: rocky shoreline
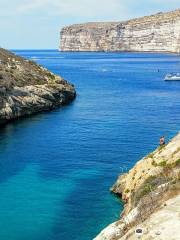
(151, 192)
(156, 33)
(27, 88)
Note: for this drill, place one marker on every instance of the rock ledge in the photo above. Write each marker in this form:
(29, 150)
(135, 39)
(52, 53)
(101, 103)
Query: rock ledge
(151, 192)
(27, 88)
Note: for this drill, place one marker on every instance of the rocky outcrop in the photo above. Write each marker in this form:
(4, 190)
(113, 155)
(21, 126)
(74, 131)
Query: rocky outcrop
(151, 193)
(27, 88)
(156, 33)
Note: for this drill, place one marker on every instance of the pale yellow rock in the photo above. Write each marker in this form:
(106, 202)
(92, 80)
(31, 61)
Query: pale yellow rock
(158, 211)
(162, 225)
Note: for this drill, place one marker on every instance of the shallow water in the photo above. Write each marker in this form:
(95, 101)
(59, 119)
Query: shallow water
(56, 168)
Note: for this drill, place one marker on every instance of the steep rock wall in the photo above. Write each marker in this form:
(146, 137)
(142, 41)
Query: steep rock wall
(156, 33)
(151, 193)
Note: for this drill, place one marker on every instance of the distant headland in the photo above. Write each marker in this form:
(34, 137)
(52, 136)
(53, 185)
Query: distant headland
(155, 33)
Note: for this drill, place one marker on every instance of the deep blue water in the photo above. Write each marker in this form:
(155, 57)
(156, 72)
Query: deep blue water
(56, 168)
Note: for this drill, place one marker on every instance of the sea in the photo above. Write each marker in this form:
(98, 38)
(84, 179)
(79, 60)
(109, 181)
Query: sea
(56, 168)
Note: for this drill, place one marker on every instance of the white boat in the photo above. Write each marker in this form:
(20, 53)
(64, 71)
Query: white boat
(172, 77)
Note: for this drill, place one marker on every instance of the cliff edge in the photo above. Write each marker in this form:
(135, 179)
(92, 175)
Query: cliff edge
(151, 193)
(27, 88)
(155, 33)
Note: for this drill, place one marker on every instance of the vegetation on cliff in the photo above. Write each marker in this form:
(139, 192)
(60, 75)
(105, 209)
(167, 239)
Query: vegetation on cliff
(27, 88)
(152, 184)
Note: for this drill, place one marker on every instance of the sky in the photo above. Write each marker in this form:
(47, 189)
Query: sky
(36, 24)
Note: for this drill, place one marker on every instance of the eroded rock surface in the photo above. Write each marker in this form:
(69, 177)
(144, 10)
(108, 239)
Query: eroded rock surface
(27, 88)
(151, 192)
(156, 33)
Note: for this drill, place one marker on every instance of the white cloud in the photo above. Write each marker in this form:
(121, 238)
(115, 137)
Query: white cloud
(80, 8)
(44, 18)
(86, 8)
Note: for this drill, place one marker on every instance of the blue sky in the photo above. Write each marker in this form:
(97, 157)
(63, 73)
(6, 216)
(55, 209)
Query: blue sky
(35, 24)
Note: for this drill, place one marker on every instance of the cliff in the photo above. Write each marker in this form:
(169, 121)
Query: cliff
(151, 192)
(156, 33)
(27, 88)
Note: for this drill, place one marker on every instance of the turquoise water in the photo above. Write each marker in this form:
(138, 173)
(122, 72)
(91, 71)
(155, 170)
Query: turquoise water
(56, 168)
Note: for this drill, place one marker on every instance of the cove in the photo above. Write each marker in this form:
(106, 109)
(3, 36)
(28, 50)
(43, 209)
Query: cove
(56, 168)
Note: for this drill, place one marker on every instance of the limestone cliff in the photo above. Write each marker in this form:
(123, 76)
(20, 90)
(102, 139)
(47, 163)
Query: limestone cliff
(27, 88)
(151, 192)
(156, 33)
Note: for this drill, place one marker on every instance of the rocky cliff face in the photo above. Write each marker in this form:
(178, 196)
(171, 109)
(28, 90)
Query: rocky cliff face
(27, 88)
(156, 33)
(151, 192)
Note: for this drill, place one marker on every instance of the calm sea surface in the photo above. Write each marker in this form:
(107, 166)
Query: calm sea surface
(56, 168)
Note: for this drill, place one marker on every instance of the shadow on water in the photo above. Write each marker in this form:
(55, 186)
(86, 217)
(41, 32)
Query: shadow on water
(9, 149)
(19, 141)
(61, 164)
(91, 192)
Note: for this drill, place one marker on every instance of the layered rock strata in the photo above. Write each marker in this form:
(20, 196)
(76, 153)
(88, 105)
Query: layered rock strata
(151, 192)
(156, 33)
(27, 88)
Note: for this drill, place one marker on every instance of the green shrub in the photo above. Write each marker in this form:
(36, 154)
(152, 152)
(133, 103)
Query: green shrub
(154, 163)
(177, 162)
(127, 190)
(162, 164)
(151, 155)
(161, 147)
(144, 190)
(148, 186)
